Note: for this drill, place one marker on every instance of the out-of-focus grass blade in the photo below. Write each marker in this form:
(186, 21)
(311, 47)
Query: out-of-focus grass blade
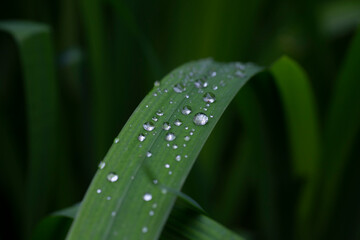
(145, 159)
(35, 50)
(300, 111)
(341, 129)
(302, 126)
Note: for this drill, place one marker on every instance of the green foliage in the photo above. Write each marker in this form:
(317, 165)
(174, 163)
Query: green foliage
(281, 162)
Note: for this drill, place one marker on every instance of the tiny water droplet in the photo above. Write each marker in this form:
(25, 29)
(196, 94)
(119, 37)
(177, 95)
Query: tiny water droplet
(240, 74)
(191, 133)
(155, 94)
(186, 156)
(155, 181)
(240, 66)
(155, 119)
(187, 96)
(184, 145)
(147, 197)
(170, 137)
(215, 87)
(179, 88)
(141, 137)
(112, 177)
(159, 113)
(167, 165)
(165, 90)
(205, 109)
(163, 191)
(178, 122)
(147, 106)
(113, 214)
(187, 138)
(186, 110)
(209, 97)
(175, 146)
(108, 198)
(170, 172)
(144, 229)
(116, 140)
(200, 83)
(149, 126)
(101, 165)
(151, 213)
(148, 154)
(98, 191)
(178, 158)
(200, 119)
(157, 84)
(166, 126)
(213, 74)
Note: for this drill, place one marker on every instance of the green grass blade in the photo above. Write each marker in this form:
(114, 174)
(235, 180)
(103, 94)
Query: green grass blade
(35, 49)
(302, 128)
(127, 213)
(341, 129)
(300, 111)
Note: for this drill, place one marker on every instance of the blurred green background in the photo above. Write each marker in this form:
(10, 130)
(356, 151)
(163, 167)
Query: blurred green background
(107, 56)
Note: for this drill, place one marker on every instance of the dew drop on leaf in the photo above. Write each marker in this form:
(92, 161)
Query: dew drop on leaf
(98, 191)
(141, 137)
(159, 113)
(149, 126)
(144, 229)
(116, 140)
(148, 154)
(200, 83)
(179, 88)
(166, 126)
(200, 119)
(170, 137)
(178, 158)
(157, 84)
(186, 110)
(147, 197)
(209, 97)
(178, 122)
(101, 165)
(112, 177)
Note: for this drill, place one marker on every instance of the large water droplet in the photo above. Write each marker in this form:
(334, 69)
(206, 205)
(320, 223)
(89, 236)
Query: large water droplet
(149, 126)
(112, 177)
(200, 119)
(147, 197)
(166, 126)
(209, 97)
(101, 165)
(178, 122)
(186, 110)
(200, 83)
(170, 137)
(141, 137)
(179, 88)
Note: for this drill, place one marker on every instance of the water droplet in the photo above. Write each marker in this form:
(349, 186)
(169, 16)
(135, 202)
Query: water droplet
(108, 198)
(205, 109)
(200, 119)
(187, 138)
(113, 214)
(144, 229)
(240, 74)
(151, 213)
(191, 133)
(155, 119)
(178, 122)
(141, 137)
(159, 113)
(116, 140)
(155, 181)
(187, 96)
(101, 165)
(157, 84)
(167, 165)
(165, 90)
(186, 110)
(178, 158)
(186, 156)
(149, 126)
(170, 137)
(166, 126)
(175, 146)
(170, 172)
(213, 74)
(179, 88)
(147, 197)
(200, 83)
(215, 87)
(240, 66)
(147, 106)
(155, 94)
(209, 97)
(148, 154)
(98, 190)
(163, 191)
(184, 145)
(112, 177)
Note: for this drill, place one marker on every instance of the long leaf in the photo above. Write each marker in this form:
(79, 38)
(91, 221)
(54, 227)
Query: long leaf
(131, 184)
(34, 42)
